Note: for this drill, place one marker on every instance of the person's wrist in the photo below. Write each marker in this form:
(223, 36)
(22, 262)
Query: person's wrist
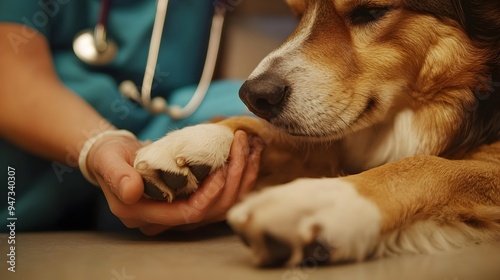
(89, 144)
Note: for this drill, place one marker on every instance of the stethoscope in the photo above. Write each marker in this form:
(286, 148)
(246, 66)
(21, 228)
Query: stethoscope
(94, 48)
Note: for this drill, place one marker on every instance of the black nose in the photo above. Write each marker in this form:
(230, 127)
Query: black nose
(265, 95)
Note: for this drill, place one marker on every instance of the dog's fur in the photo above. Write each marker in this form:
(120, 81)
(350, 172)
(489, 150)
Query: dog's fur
(391, 104)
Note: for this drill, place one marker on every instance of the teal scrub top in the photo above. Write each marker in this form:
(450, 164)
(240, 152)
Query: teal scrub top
(46, 190)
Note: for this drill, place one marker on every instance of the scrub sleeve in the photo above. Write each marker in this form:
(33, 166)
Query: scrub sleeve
(51, 195)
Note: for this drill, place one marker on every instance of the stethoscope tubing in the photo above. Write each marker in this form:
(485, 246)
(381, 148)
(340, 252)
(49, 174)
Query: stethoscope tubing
(210, 62)
(154, 50)
(104, 50)
(104, 13)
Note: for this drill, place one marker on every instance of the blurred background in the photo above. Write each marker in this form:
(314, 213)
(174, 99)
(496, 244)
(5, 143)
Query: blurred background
(253, 28)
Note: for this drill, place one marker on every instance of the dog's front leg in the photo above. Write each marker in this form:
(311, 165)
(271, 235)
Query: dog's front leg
(417, 205)
(178, 163)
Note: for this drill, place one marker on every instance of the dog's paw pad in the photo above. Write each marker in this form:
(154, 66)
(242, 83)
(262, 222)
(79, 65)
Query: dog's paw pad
(279, 252)
(307, 221)
(318, 251)
(200, 171)
(175, 182)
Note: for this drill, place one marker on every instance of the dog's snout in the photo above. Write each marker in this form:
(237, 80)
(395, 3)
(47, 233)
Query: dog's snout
(265, 95)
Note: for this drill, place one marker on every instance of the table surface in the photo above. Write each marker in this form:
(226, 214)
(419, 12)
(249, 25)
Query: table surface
(213, 253)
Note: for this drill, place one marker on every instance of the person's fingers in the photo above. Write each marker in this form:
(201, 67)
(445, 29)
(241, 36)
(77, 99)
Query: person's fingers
(252, 168)
(208, 204)
(127, 216)
(172, 214)
(193, 210)
(117, 207)
(237, 163)
(229, 177)
(201, 201)
(131, 187)
(113, 169)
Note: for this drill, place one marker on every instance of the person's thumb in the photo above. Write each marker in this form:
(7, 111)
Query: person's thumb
(114, 172)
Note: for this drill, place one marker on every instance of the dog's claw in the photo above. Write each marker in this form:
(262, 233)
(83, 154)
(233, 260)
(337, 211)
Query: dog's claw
(244, 239)
(154, 192)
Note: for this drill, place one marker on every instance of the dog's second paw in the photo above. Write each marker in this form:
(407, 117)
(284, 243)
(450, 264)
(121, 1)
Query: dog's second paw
(308, 220)
(177, 163)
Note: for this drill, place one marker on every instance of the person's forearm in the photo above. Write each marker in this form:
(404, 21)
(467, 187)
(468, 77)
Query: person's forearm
(37, 112)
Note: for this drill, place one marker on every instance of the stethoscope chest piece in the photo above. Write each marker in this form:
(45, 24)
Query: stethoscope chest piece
(92, 47)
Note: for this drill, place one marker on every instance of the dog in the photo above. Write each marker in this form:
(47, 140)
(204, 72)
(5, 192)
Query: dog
(381, 120)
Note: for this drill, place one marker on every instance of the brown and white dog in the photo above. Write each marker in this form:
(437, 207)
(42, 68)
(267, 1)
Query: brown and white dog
(390, 108)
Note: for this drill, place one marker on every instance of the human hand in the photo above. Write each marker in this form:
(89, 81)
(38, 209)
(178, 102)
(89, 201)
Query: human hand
(111, 161)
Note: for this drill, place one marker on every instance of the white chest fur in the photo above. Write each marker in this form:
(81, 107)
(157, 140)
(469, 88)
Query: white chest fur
(382, 143)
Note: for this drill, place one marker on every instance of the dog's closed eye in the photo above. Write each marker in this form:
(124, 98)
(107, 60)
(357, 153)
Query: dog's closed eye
(367, 14)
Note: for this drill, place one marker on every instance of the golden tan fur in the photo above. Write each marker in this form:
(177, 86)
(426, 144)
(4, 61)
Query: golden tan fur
(433, 69)
(435, 66)
(397, 97)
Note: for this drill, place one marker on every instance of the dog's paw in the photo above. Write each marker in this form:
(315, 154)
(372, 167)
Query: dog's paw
(308, 220)
(177, 163)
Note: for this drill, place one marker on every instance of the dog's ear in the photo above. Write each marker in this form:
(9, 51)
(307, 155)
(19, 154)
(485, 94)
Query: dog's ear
(481, 20)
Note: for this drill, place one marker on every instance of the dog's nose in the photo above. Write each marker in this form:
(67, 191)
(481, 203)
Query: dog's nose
(265, 95)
